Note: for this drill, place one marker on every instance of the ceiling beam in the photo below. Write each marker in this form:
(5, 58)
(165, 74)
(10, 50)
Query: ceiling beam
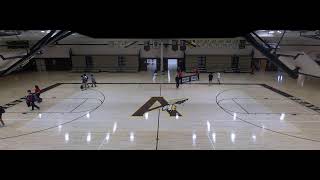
(47, 40)
(130, 44)
(272, 57)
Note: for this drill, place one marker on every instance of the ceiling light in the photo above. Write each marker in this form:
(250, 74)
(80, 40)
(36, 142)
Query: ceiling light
(271, 32)
(43, 31)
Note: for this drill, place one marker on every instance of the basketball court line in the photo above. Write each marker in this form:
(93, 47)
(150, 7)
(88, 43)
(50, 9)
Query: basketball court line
(240, 106)
(158, 126)
(79, 105)
(55, 126)
(298, 100)
(18, 101)
(259, 126)
(263, 85)
(52, 112)
(261, 113)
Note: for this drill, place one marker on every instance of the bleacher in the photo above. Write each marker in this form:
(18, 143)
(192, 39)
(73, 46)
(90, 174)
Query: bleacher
(106, 63)
(191, 62)
(78, 63)
(218, 63)
(130, 64)
(245, 63)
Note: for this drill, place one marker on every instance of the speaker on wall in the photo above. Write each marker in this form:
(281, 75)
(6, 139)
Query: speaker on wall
(155, 44)
(242, 44)
(146, 45)
(183, 45)
(174, 45)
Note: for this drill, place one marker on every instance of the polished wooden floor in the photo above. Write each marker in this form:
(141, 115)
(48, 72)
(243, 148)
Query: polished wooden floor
(237, 114)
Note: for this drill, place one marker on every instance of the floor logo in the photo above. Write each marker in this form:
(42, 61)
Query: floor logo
(170, 106)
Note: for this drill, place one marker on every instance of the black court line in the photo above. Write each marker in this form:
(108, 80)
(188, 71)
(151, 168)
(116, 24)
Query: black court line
(68, 98)
(265, 98)
(55, 126)
(240, 106)
(79, 105)
(256, 125)
(310, 75)
(157, 139)
(182, 83)
(306, 104)
(293, 98)
(263, 85)
(50, 87)
(15, 102)
(54, 112)
(42, 112)
(261, 113)
(284, 94)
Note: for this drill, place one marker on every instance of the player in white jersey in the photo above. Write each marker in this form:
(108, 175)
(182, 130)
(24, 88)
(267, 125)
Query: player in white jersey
(218, 77)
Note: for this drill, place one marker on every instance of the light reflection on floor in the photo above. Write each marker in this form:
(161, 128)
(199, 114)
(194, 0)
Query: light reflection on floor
(214, 117)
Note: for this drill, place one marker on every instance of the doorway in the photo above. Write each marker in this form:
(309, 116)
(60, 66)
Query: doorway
(172, 64)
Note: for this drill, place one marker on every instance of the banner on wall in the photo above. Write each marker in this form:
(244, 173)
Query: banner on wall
(189, 78)
(216, 43)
